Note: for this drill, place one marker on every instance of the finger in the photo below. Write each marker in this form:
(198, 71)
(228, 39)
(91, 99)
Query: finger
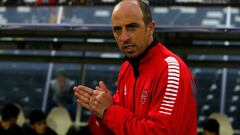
(83, 96)
(84, 99)
(102, 97)
(82, 103)
(93, 101)
(103, 86)
(98, 91)
(95, 106)
(75, 88)
(85, 89)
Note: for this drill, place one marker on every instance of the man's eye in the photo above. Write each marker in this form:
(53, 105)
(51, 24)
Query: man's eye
(131, 27)
(117, 30)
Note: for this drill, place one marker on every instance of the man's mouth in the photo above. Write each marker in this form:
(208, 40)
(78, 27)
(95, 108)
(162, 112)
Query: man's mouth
(129, 48)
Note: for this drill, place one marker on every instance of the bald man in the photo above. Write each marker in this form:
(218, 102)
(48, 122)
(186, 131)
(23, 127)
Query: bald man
(156, 91)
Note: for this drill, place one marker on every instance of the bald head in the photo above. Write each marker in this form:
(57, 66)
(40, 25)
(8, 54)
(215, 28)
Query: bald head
(132, 27)
(134, 6)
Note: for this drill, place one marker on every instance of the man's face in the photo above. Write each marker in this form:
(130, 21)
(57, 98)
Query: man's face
(61, 80)
(40, 127)
(130, 31)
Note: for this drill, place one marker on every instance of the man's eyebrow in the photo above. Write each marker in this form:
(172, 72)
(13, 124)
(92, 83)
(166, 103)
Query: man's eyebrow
(132, 24)
(127, 25)
(116, 26)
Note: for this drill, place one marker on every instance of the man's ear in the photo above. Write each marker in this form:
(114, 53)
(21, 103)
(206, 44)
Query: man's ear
(151, 27)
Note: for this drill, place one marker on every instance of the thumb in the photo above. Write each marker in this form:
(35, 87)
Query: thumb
(103, 86)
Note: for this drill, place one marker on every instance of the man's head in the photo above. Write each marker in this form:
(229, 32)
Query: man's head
(132, 27)
(211, 127)
(10, 113)
(61, 77)
(38, 121)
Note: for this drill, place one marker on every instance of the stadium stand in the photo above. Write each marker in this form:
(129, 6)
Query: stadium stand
(59, 120)
(232, 97)
(209, 83)
(21, 116)
(225, 125)
(79, 39)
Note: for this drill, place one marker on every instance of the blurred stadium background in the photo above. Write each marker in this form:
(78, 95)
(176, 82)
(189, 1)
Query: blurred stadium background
(37, 37)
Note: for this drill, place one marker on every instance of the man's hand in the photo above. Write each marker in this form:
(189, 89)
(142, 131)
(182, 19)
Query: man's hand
(96, 101)
(83, 95)
(101, 100)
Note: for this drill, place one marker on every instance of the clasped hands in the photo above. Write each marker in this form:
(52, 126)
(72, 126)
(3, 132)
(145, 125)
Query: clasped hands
(96, 101)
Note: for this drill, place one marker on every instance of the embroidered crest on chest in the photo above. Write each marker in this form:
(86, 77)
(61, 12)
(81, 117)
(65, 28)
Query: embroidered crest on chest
(143, 96)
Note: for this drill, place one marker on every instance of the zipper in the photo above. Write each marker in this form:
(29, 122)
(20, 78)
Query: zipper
(134, 94)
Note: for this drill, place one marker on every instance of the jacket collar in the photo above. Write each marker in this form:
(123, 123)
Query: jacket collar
(143, 57)
(139, 58)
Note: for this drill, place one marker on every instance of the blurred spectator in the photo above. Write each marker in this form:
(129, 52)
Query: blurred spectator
(83, 2)
(62, 92)
(38, 124)
(80, 2)
(13, 2)
(211, 127)
(50, 2)
(8, 124)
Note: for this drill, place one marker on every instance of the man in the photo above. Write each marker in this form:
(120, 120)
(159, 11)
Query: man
(211, 127)
(38, 124)
(61, 87)
(156, 91)
(8, 124)
(61, 92)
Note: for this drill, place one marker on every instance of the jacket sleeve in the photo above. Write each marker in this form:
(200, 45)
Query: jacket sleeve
(171, 103)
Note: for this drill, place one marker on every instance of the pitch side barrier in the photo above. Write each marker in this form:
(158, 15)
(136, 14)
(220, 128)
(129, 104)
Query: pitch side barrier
(185, 41)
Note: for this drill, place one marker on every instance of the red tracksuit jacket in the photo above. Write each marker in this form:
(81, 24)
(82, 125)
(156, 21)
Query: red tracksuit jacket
(155, 96)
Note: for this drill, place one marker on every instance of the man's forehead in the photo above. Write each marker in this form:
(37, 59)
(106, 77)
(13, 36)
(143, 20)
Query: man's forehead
(144, 1)
(127, 9)
(125, 4)
(128, 19)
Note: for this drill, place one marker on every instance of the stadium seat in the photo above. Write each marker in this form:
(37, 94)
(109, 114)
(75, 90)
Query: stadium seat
(21, 116)
(59, 120)
(225, 125)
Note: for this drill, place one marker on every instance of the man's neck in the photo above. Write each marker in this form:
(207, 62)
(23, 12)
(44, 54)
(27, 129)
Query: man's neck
(137, 59)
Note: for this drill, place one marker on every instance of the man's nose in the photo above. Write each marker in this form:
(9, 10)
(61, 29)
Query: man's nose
(125, 35)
